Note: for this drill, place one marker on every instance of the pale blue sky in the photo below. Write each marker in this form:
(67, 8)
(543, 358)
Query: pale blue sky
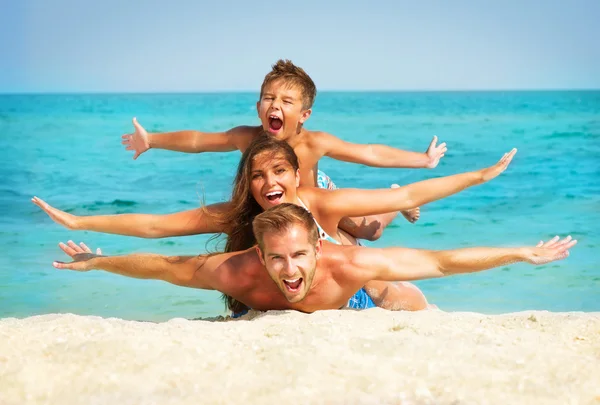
(186, 45)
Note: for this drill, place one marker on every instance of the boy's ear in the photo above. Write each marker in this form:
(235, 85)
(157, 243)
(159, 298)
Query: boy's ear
(305, 115)
(258, 106)
(297, 178)
(260, 255)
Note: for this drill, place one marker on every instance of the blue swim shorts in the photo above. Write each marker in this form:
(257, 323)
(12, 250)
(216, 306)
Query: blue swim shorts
(360, 300)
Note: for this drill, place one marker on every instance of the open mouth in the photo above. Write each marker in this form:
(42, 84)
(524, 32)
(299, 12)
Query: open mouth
(274, 196)
(275, 123)
(293, 286)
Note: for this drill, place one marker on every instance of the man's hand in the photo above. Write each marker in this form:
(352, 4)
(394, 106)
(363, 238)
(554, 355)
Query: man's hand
(81, 255)
(491, 172)
(138, 140)
(546, 252)
(435, 153)
(60, 217)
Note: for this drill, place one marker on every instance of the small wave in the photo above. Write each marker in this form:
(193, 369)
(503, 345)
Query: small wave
(114, 203)
(565, 135)
(194, 301)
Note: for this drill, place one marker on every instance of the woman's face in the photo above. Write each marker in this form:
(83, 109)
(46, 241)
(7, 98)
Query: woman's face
(273, 180)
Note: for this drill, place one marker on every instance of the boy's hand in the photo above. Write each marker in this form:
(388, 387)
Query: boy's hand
(81, 255)
(491, 172)
(60, 217)
(435, 153)
(546, 252)
(137, 141)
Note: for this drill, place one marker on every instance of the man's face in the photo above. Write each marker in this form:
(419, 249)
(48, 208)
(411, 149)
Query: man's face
(280, 109)
(291, 260)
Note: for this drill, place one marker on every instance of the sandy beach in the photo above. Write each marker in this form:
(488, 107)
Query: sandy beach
(328, 357)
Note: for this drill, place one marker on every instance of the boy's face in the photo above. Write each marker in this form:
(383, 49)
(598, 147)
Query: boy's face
(290, 260)
(280, 109)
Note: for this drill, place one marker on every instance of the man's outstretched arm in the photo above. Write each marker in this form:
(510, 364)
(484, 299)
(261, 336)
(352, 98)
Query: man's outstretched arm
(399, 264)
(188, 271)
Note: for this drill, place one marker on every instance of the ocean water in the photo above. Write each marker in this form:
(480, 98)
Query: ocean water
(67, 150)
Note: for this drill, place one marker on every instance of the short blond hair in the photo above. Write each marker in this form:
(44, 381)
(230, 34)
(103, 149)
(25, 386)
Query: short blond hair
(294, 76)
(281, 218)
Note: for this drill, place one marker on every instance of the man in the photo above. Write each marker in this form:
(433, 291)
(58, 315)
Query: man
(291, 268)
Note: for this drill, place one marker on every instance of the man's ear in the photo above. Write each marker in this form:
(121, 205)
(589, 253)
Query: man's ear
(319, 248)
(297, 178)
(305, 116)
(260, 255)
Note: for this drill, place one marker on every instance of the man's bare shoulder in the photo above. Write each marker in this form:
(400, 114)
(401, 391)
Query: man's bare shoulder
(232, 271)
(339, 260)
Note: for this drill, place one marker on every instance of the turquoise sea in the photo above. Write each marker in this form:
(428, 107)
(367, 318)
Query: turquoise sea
(67, 150)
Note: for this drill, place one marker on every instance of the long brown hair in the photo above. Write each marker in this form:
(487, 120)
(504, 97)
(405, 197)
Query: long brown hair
(237, 222)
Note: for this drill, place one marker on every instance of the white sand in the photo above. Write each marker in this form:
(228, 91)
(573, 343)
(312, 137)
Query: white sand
(332, 357)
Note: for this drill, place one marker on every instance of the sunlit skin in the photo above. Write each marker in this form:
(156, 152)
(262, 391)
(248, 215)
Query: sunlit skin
(273, 180)
(281, 111)
(291, 261)
(330, 274)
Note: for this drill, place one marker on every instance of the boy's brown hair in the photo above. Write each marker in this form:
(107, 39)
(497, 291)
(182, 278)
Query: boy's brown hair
(294, 76)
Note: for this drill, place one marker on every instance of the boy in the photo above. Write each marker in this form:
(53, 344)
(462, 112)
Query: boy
(286, 98)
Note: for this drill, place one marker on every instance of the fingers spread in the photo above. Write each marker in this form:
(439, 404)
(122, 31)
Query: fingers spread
(552, 242)
(67, 249)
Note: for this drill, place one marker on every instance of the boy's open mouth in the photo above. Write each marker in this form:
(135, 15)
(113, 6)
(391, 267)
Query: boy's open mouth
(293, 285)
(275, 123)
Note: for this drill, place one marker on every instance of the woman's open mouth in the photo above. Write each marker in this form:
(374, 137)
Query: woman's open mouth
(274, 197)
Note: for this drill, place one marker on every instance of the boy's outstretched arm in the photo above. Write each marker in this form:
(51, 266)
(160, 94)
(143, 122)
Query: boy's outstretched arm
(399, 264)
(185, 141)
(376, 155)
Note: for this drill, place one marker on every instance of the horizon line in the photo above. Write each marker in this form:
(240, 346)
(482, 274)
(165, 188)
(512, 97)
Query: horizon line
(165, 92)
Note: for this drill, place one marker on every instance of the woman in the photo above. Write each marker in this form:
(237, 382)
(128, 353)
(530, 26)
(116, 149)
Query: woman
(268, 175)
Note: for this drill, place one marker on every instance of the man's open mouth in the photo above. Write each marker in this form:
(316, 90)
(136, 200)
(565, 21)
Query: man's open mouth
(275, 123)
(293, 285)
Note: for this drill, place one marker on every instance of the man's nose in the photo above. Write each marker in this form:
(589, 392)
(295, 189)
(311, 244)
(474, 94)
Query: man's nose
(289, 269)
